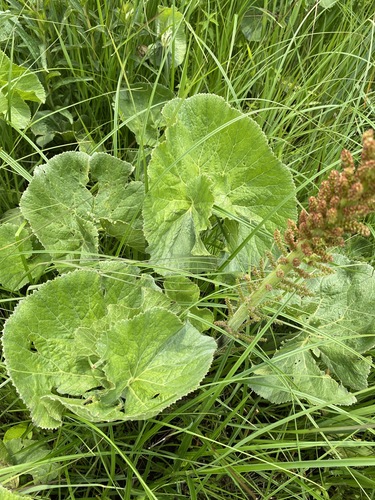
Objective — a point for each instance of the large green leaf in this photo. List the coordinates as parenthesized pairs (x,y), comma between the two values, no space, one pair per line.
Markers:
(215,161)
(294,374)
(118,203)
(16,79)
(341,331)
(66,215)
(97,345)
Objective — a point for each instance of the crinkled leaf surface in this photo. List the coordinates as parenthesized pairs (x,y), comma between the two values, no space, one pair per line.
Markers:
(152,360)
(215,160)
(346,319)
(59,207)
(118,203)
(140,107)
(67,347)
(66,215)
(342,330)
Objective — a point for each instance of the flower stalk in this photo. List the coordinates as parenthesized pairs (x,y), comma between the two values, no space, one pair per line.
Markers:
(345,198)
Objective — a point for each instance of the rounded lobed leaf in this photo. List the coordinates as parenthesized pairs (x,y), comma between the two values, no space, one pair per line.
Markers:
(215,161)
(102,345)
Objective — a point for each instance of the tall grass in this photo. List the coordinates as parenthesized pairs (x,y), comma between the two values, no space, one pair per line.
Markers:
(307,78)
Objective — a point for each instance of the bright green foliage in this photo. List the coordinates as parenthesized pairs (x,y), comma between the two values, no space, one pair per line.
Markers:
(341,330)
(118,202)
(59,207)
(99,344)
(140,107)
(66,216)
(214,165)
(18,85)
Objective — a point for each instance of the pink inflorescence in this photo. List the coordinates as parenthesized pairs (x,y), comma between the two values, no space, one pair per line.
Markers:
(343,199)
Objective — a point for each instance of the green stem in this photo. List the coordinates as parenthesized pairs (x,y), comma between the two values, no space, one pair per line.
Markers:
(269,282)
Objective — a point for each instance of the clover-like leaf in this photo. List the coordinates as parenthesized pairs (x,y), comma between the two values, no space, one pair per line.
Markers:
(140,106)
(66,215)
(341,330)
(214,165)
(89,342)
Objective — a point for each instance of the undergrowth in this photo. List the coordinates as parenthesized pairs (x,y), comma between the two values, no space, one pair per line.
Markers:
(305,74)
